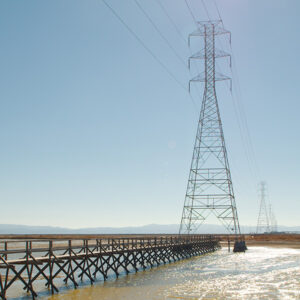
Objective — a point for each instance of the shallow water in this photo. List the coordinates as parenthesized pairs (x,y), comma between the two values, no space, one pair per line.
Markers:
(260,273)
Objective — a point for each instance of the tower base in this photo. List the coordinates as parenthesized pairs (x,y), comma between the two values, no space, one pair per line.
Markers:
(240,246)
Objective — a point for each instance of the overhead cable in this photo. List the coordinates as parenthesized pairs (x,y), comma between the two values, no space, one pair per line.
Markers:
(113,11)
(191,12)
(171,21)
(159,32)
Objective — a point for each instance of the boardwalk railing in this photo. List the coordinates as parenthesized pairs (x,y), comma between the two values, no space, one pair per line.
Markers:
(60,261)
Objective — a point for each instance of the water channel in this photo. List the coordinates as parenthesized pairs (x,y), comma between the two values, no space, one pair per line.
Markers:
(260,273)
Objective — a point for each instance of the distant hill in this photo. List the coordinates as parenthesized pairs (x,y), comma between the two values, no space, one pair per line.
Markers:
(151,228)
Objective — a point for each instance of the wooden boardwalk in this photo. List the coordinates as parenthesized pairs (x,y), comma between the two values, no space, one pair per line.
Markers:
(29,261)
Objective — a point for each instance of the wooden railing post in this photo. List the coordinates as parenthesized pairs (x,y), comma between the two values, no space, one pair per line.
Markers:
(5,249)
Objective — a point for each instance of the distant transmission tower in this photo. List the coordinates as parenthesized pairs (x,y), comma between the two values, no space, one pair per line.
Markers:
(209,189)
(272,219)
(263,222)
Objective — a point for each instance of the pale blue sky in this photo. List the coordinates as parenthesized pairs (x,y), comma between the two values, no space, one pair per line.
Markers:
(94,132)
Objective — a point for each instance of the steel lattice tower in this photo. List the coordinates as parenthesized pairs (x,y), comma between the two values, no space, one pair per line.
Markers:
(209,189)
(263,222)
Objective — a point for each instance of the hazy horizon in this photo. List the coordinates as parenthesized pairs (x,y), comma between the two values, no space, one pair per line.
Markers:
(203,228)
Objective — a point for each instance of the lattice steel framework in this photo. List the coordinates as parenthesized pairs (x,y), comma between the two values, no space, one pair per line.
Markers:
(263,221)
(209,189)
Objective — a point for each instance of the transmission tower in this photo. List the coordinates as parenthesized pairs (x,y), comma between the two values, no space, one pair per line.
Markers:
(272,219)
(209,189)
(263,222)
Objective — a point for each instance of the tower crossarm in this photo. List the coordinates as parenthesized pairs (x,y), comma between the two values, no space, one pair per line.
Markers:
(201,55)
(202,78)
(202,26)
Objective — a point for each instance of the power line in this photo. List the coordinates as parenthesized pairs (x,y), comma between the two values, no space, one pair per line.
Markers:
(143,44)
(244,119)
(164,38)
(189,8)
(183,39)
(159,32)
(179,33)
(205,8)
(240,112)
(218,13)
(235,106)
(171,21)
(174,25)
(148,50)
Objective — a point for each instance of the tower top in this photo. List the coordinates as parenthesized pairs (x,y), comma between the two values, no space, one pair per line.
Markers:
(208,30)
(202,27)
(213,22)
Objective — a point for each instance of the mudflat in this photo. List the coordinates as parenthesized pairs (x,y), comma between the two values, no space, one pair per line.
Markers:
(274,240)
(268,240)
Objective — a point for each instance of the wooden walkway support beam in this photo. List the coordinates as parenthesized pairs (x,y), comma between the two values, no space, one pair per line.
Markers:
(27,261)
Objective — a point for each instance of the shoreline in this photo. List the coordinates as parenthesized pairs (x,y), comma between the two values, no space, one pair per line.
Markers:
(277,240)
(272,244)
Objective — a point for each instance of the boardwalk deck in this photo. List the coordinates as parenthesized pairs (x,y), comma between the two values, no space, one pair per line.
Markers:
(28,261)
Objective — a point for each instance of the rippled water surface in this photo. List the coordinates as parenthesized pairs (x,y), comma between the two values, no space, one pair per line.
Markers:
(260,273)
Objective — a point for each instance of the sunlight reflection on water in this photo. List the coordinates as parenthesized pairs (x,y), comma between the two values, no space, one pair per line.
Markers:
(260,273)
